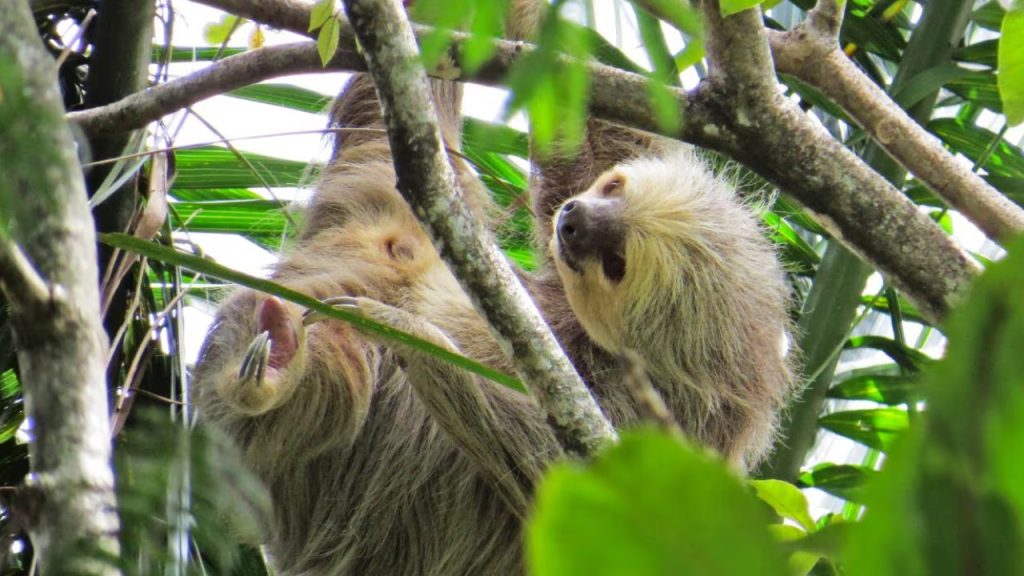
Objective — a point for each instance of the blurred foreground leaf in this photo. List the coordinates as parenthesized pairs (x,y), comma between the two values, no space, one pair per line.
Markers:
(649,506)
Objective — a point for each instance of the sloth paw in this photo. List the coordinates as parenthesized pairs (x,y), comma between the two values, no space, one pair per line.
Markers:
(347,303)
(261,382)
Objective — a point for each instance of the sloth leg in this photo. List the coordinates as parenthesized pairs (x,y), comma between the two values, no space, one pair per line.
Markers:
(271,364)
(458,401)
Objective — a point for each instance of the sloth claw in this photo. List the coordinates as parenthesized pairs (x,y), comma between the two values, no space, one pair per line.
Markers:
(256,359)
(347,303)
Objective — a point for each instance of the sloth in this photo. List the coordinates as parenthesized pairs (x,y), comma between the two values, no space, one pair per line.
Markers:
(383,460)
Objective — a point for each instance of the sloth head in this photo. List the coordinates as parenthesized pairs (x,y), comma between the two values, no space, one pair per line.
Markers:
(659,256)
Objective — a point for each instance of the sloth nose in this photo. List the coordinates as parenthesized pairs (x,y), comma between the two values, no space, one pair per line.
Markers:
(572,229)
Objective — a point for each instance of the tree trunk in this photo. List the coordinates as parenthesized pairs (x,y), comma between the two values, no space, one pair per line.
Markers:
(48,273)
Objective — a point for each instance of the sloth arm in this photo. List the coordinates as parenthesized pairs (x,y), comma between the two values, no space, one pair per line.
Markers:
(500,430)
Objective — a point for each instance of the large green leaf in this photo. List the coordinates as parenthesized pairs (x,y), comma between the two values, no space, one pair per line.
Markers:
(983,53)
(973,142)
(876,428)
(649,506)
(284,95)
(908,358)
(214,167)
(951,497)
(232,217)
(881,388)
(1011,64)
(845,481)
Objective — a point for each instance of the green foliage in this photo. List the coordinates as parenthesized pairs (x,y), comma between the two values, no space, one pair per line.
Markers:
(1011,64)
(552,84)
(651,505)
(729,7)
(951,500)
(323,18)
(184,484)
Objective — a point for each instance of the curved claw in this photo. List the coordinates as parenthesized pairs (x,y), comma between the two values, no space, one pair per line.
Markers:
(348,303)
(254,363)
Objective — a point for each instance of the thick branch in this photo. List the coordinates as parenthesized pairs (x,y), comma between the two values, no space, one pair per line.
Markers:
(427,182)
(853,202)
(811,53)
(68,501)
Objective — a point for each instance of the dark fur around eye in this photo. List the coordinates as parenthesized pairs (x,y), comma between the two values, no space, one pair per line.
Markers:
(614,267)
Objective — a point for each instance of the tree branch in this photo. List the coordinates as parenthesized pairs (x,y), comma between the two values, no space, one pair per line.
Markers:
(222,76)
(770,134)
(426,180)
(69,504)
(811,53)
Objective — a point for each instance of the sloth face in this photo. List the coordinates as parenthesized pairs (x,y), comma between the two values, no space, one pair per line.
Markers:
(653,241)
(589,229)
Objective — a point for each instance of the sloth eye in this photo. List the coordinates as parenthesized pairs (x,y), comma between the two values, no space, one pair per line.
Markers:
(612,186)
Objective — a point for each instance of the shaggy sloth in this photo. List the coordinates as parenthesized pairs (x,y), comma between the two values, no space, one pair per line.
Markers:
(383,461)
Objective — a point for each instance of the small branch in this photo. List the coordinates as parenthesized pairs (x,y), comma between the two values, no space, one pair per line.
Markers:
(426,180)
(811,53)
(19,280)
(650,404)
(144,107)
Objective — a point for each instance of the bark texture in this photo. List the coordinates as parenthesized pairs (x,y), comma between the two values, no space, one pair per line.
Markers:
(49,276)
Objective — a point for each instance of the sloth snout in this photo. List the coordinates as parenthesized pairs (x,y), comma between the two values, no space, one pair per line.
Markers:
(572,229)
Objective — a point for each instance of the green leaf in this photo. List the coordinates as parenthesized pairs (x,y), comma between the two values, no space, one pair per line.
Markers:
(973,141)
(216,167)
(284,95)
(321,12)
(327,40)
(928,82)
(552,88)
(1011,65)
(730,7)
(194,53)
(787,501)
(907,357)
(983,53)
(246,217)
(797,253)
(680,15)
(876,428)
(882,388)
(211,268)
(488,23)
(989,16)
(497,138)
(950,499)
(980,88)
(845,481)
(214,194)
(9,385)
(650,505)
(216,33)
